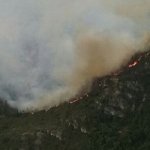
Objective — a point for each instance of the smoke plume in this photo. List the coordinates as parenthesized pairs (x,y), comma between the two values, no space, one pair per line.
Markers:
(50,51)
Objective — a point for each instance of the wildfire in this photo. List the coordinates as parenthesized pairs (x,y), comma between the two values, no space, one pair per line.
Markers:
(134,64)
(74,101)
(79,98)
(117,73)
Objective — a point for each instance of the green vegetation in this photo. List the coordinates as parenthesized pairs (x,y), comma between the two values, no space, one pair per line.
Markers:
(115,116)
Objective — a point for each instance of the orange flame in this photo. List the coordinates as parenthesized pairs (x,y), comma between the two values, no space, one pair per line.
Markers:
(117,73)
(132,65)
(74,101)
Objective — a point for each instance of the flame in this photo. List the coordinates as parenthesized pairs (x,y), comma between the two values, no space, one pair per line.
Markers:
(79,98)
(117,73)
(74,101)
(134,64)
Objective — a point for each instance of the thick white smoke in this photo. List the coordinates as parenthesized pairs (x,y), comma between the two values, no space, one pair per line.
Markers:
(50,50)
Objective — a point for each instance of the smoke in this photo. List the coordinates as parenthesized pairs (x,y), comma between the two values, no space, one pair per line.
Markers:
(52,50)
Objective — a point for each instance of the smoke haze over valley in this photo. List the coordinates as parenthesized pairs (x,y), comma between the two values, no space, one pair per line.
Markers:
(51,50)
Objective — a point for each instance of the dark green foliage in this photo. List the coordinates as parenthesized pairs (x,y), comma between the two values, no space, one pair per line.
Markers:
(115,116)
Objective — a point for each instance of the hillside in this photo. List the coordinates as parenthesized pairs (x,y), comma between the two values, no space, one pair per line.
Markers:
(115,115)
